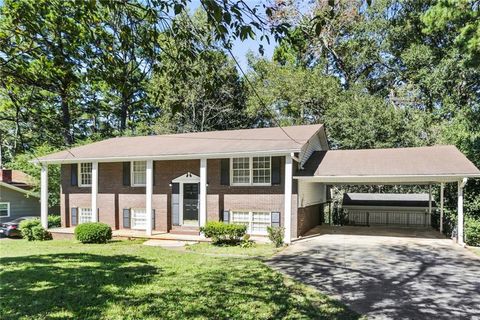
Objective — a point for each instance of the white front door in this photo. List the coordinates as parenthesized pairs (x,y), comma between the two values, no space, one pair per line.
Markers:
(139,219)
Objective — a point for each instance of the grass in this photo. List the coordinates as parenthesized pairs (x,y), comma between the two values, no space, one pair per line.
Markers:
(475,250)
(258,250)
(127,280)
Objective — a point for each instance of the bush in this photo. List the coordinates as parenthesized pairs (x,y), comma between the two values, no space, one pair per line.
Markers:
(275,234)
(221,232)
(32,230)
(26,227)
(93,232)
(246,242)
(39,233)
(472,232)
(54,221)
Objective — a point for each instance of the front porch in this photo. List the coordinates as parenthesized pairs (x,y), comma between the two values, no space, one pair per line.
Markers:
(68,233)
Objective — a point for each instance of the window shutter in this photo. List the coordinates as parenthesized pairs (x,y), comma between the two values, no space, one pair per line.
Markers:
(74,174)
(126,218)
(275,219)
(225,172)
(176,204)
(73,216)
(126,174)
(153,173)
(153,219)
(226,216)
(276,170)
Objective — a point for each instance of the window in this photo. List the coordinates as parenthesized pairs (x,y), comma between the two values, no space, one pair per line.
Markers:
(139,173)
(256,221)
(85,215)
(261,170)
(139,218)
(251,171)
(4,209)
(241,170)
(85,174)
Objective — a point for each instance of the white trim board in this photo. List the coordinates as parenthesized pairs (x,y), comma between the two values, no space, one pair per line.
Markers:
(27,192)
(198,156)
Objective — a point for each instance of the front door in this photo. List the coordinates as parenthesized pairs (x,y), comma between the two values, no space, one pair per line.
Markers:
(190,204)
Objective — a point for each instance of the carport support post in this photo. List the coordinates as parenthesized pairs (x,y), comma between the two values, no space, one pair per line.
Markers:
(44,196)
(148,197)
(442,187)
(461,185)
(288,199)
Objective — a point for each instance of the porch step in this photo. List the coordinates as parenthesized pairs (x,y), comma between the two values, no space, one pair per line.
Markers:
(187,230)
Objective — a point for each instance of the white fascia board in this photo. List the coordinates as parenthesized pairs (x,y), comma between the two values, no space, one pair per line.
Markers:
(387,179)
(27,192)
(197,156)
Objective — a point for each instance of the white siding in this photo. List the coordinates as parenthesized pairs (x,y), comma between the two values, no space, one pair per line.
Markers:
(310,193)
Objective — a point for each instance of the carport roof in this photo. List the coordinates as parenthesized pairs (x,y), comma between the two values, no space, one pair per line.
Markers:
(443,163)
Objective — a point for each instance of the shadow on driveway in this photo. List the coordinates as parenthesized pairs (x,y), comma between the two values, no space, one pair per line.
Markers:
(387,277)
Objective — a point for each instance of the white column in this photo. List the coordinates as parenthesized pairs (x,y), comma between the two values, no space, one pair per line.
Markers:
(430,199)
(288,200)
(203,192)
(44,196)
(148,197)
(442,187)
(94,191)
(461,184)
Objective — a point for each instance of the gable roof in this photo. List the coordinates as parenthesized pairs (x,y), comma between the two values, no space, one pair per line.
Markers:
(396,164)
(191,145)
(20,182)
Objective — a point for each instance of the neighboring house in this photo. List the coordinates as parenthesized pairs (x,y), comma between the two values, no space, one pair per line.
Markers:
(16,197)
(388,209)
(259,177)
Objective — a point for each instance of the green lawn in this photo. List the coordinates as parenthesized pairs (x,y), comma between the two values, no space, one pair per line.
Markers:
(63,279)
(258,250)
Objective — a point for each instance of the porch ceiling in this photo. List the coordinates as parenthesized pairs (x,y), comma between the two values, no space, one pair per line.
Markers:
(423,165)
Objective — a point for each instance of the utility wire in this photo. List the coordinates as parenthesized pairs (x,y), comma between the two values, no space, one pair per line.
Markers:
(262,103)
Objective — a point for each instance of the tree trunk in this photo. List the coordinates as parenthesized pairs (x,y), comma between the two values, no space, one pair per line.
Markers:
(66,119)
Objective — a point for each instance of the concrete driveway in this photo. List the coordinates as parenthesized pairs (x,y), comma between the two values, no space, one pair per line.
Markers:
(389,277)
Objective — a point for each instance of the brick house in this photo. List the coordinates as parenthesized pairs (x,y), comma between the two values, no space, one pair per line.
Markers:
(259,177)
(175,183)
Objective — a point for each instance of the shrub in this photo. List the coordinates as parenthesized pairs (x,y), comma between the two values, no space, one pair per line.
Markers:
(221,232)
(246,242)
(472,232)
(54,221)
(275,234)
(93,232)
(39,233)
(26,227)
(32,230)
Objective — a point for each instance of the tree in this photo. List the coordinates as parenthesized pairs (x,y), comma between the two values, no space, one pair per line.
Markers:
(199,94)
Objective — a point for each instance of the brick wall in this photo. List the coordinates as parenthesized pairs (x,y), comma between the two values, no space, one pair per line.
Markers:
(308,217)
(113,196)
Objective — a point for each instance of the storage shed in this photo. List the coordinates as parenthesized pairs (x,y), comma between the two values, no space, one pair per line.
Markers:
(387,209)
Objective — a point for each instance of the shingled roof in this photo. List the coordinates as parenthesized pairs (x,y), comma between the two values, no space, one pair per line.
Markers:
(191,145)
(342,165)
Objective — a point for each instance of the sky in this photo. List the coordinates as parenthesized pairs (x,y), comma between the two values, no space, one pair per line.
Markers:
(241,48)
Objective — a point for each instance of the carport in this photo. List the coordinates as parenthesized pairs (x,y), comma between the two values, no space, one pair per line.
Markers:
(397,166)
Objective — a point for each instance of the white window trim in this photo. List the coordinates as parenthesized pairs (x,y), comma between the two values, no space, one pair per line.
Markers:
(8,209)
(132,184)
(250,220)
(132,212)
(250,167)
(79,214)
(79,175)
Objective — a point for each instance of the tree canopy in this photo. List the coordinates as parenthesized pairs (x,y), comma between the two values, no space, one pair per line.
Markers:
(384,73)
